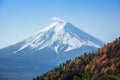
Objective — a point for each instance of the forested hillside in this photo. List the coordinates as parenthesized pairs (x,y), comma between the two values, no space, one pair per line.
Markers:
(102,65)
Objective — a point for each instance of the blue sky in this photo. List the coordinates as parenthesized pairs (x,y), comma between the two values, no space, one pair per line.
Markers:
(22,18)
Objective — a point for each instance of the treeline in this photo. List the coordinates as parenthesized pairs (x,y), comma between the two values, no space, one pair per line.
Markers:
(92,66)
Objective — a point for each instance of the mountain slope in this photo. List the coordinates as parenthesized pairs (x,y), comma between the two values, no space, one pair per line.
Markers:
(90,66)
(61,37)
(107,60)
(51,46)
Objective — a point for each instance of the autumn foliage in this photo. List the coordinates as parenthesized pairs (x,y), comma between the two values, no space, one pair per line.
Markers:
(91,66)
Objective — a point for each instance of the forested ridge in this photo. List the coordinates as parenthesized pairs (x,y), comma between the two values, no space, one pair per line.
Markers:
(102,65)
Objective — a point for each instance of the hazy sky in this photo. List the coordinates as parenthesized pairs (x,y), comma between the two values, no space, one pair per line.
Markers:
(21,18)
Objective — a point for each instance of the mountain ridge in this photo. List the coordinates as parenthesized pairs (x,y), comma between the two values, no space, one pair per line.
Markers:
(61,29)
(47,49)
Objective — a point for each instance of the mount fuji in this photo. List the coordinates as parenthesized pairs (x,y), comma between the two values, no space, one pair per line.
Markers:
(55,44)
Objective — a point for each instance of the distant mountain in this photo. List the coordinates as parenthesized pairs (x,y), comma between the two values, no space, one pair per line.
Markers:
(48,48)
(102,65)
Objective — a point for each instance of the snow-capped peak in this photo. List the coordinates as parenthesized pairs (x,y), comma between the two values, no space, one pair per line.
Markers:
(61,37)
(48,48)
(57,23)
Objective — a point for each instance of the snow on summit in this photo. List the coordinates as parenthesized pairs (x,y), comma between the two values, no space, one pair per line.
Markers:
(60,36)
(53,45)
